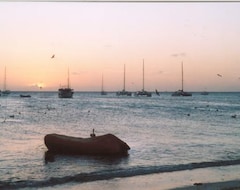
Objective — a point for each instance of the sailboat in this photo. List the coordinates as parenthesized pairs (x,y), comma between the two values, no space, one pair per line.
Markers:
(143,92)
(181,92)
(204,93)
(102,91)
(124,92)
(65,92)
(5,92)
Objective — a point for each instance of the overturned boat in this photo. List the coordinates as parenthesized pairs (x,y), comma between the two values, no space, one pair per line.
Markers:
(107,144)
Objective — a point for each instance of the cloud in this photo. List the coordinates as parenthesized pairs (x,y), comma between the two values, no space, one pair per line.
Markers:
(75,73)
(179,54)
(38,85)
(174,55)
(78,73)
(157,72)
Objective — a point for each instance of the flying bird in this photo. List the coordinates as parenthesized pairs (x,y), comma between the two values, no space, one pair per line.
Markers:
(52,56)
(219,75)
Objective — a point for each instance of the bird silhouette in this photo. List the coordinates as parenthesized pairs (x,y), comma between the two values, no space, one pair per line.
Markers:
(219,75)
(52,56)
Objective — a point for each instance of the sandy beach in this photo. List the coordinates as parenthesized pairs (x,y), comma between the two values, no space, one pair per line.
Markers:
(219,178)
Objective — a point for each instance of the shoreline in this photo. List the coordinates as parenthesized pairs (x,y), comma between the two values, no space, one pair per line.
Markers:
(226,185)
(214,178)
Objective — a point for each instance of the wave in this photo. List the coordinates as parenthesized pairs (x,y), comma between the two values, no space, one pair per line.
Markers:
(110,174)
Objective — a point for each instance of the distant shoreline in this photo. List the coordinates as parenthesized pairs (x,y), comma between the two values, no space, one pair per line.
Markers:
(48,91)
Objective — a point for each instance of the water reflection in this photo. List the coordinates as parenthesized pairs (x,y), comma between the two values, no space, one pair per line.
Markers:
(49,157)
(101,160)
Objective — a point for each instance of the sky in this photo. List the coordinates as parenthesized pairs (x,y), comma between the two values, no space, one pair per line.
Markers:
(97,39)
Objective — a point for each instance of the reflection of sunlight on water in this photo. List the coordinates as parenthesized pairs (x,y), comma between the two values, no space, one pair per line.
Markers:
(157,129)
(77,164)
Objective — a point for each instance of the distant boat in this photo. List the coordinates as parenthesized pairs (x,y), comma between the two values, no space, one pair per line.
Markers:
(25,96)
(143,92)
(124,92)
(204,93)
(65,92)
(102,90)
(181,92)
(5,92)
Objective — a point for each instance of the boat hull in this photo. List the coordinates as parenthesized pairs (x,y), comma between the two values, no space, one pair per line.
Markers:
(204,93)
(65,93)
(6,92)
(143,93)
(124,93)
(100,145)
(25,96)
(181,93)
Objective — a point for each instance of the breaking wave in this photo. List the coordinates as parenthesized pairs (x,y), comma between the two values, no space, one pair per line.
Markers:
(113,173)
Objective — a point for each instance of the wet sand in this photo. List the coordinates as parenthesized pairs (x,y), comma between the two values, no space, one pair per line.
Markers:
(219,178)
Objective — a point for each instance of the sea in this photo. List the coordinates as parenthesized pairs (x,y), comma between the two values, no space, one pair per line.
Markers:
(165,134)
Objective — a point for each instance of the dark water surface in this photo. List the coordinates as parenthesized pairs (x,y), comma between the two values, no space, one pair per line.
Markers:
(166,134)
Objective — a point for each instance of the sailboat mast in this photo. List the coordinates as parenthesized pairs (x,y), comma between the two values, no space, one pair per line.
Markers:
(182,76)
(5,80)
(102,82)
(124,79)
(68,79)
(143,75)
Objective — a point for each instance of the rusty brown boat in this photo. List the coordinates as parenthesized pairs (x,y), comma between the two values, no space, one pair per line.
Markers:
(107,144)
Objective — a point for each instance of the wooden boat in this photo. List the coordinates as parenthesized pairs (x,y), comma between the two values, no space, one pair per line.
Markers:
(98,145)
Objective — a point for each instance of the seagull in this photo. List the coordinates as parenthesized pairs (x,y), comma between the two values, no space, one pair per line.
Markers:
(219,75)
(52,56)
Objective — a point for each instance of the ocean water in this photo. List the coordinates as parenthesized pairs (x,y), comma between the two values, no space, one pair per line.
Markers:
(165,134)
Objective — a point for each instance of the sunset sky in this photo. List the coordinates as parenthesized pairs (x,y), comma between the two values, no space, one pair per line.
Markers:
(95,39)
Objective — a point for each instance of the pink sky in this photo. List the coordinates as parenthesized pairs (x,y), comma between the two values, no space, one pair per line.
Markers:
(92,39)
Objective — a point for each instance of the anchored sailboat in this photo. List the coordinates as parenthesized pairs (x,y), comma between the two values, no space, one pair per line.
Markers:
(5,91)
(143,92)
(124,92)
(181,92)
(102,90)
(204,93)
(66,92)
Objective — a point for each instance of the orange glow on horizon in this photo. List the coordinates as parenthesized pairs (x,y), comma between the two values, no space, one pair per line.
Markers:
(92,39)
